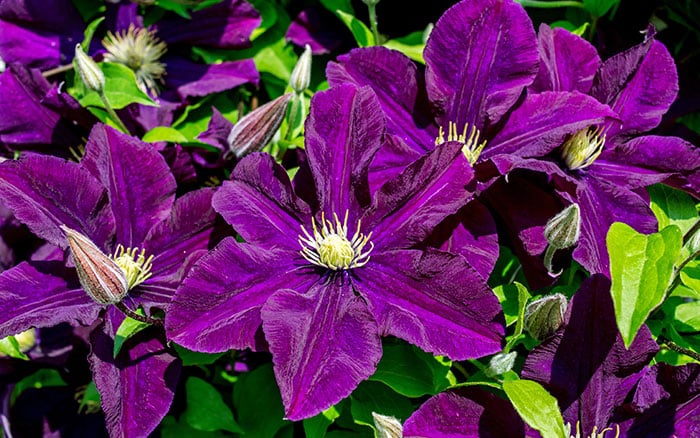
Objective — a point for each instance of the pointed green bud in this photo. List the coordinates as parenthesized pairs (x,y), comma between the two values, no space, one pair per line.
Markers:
(545,315)
(301,75)
(563,230)
(255,130)
(89,71)
(101,277)
(387,427)
(501,363)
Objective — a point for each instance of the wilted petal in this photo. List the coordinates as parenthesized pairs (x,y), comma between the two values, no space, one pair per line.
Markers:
(37,294)
(639,84)
(467,412)
(399,86)
(260,204)
(226,25)
(176,243)
(218,305)
(567,61)
(47,192)
(586,365)
(324,342)
(344,129)
(543,121)
(137,387)
(408,207)
(434,300)
(140,185)
(479,57)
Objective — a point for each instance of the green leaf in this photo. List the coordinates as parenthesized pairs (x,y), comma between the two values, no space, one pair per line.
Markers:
(411,45)
(362,34)
(164,133)
(10,347)
(690,275)
(43,378)
(258,403)
(277,59)
(90,32)
(90,400)
(410,371)
(316,427)
(511,297)
(598,8)
(190,357)
(672,207)
(536,407)
(335,5)
(128,328)
(206,409)
(687,316)
(376,397)
(171,428)
(88,9)
(641,267)
(120,88)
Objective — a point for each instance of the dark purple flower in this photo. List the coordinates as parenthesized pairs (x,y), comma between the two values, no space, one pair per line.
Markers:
(479,59)
(327,275)
(605,167)
(122,197)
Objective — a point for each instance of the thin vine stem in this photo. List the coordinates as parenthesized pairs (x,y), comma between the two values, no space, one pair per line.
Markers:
(550,4)
(133,315)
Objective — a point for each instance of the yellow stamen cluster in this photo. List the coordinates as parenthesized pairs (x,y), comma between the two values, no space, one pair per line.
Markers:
(582,148)
(594,433)
(472,148)
(329,247)
(140,50)
(136,267)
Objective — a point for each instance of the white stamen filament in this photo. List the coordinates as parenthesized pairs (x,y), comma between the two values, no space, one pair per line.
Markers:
(329,246)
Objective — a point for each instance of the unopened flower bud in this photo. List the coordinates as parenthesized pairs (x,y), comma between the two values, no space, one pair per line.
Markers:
(563,230)
(89,71)
(387,427)
(301,75)
(254,130)
(101,277)
(501,363)
(545,315)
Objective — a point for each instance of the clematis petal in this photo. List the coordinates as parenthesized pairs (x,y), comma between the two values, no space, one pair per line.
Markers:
(191,79)
(260,204)
(567,61)
(226,25)
(463,413)
(534,129)
(399,86)
(36,294)
(139,198)
(639,84)
(433,300)
(177,243)
(324,342)
(45,192)
(603,203)
(585,365)
(217,307)
(344,129)
(479,58)
(137,387)
(407,208)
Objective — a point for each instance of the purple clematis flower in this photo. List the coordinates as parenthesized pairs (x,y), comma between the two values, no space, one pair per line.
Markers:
(479,59)
(121,196)
(605,167)
(587,368)
(328,274)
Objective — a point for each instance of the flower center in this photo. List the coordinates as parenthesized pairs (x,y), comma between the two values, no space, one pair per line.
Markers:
(329,246)
(136,267)
(140,50)
(594,433)
(582,149)
(472,148)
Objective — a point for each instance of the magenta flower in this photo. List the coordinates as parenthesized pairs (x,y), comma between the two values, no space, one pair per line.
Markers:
(327,267)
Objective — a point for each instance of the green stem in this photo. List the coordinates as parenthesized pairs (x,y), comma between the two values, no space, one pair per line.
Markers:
(677,274)
(113,115)
(57,70)
(550,4)
(678,349)
(372,8)
(133,315)
(548,256)
(463,371)
(691,232)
